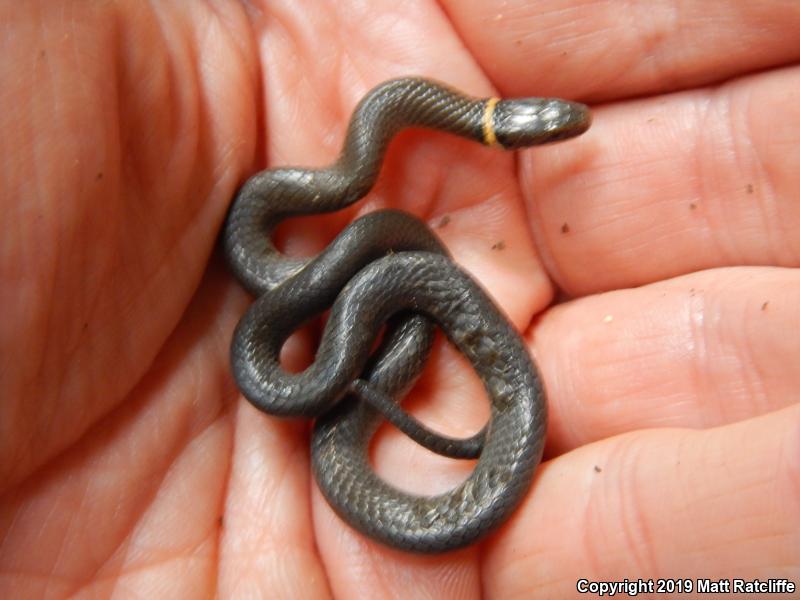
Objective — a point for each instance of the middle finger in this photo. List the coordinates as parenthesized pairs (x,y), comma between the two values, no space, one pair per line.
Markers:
(665,186)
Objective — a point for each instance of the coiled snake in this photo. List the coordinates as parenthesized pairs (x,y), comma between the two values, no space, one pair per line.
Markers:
(388,267)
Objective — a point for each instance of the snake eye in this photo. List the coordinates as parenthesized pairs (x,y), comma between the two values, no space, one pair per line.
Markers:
(532,121)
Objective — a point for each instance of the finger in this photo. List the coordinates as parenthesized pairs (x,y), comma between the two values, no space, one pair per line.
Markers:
(267,546)
(720,503)
(267,542)
(662,187)
(544,47)
(696,351)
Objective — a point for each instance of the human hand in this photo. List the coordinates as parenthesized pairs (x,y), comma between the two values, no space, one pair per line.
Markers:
(130,464)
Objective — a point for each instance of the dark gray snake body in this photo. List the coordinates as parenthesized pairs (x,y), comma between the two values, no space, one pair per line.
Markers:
(388,268)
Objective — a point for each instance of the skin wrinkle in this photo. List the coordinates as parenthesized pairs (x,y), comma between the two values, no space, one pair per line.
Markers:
(787,469)
(245,55)
(115,576)
(134,78)
(706,324)
(78,584)
(789,456)
(742,129)
(299,450)
(274,435)
(592,506)
(725,245)
(695,320)
(522,557)
(347,58)
(702,168)
(756,392)
(766,192)
(131,301)
(38,364)
(633,516)
(693,537)
(296,89)
(61,562)
(651,43)
(570,425)
(532,209)
(125,540)
(181,447)
(146,505)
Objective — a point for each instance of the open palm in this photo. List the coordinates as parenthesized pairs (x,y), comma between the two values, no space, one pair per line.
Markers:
(131,465)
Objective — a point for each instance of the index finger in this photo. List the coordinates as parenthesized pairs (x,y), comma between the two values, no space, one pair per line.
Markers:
(601,50)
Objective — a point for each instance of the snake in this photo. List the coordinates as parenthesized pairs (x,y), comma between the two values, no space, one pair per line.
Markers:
(388,283)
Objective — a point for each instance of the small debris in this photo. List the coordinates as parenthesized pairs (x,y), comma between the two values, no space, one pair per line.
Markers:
(749,188)
(443,222)
(565,228)
(501,245)
(692,206)
(764,306)
(597,469)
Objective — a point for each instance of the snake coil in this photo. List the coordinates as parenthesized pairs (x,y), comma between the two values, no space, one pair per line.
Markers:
(388,267)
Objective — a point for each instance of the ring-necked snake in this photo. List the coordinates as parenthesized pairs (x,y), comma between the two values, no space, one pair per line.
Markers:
(388,268)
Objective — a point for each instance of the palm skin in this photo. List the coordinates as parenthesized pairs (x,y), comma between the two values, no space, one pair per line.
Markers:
(130,464)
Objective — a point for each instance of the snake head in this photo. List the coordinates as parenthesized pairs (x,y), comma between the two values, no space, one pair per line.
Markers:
(533,121)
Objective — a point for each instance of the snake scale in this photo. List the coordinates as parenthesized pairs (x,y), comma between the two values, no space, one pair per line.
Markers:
(388,270)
